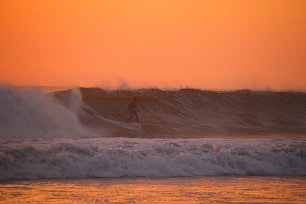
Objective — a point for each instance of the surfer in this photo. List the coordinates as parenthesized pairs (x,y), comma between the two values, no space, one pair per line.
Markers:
(133,110)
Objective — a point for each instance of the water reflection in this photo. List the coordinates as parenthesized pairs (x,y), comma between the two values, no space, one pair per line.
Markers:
(139,190)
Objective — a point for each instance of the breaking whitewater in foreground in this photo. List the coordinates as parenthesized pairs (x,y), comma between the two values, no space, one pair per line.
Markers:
(151,158)
(82,133)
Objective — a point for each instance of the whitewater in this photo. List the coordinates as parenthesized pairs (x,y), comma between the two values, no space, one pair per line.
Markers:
(79,133)
(151,158)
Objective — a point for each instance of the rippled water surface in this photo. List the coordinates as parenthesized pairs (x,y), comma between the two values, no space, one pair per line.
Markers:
(171,190)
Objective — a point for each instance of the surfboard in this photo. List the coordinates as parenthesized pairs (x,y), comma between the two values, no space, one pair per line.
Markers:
(131,125)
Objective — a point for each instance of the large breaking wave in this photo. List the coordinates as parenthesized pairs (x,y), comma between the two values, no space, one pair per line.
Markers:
(122,157)
(82,133)
(190,112)
(172,114)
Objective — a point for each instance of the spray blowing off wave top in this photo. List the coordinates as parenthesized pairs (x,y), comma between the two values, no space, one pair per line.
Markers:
(194,112)
(32,113)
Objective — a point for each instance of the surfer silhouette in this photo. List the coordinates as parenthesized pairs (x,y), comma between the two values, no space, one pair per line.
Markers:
(133,110)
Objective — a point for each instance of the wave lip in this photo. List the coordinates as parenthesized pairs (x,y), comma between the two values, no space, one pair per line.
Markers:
(112,158)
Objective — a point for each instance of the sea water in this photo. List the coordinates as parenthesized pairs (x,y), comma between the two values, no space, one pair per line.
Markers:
(213,189)
(126,170)
(51,151)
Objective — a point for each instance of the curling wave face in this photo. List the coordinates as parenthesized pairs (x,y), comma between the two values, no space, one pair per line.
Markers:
(191,112)
(122,157)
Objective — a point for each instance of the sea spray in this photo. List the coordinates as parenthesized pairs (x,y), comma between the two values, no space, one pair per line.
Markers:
(76,101)
(31,113)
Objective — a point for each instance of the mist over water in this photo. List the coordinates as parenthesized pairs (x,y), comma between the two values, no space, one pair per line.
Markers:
(31,113)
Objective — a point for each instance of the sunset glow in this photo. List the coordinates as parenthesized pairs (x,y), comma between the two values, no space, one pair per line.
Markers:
(215,44)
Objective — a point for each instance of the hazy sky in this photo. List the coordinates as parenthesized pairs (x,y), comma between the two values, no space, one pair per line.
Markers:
(214,44)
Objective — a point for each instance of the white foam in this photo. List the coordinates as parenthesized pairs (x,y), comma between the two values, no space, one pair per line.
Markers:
(151,158)
(31,113)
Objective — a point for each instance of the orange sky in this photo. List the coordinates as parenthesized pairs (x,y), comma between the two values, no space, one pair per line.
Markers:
(214,44)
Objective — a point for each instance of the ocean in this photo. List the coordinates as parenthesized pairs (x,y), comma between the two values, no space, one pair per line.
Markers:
(191,146)
(212,189)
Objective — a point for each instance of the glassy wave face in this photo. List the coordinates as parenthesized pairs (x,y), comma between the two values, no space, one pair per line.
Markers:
(134,157)
(191,112)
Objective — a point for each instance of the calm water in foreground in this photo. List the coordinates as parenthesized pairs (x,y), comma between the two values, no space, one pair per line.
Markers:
(172,190)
